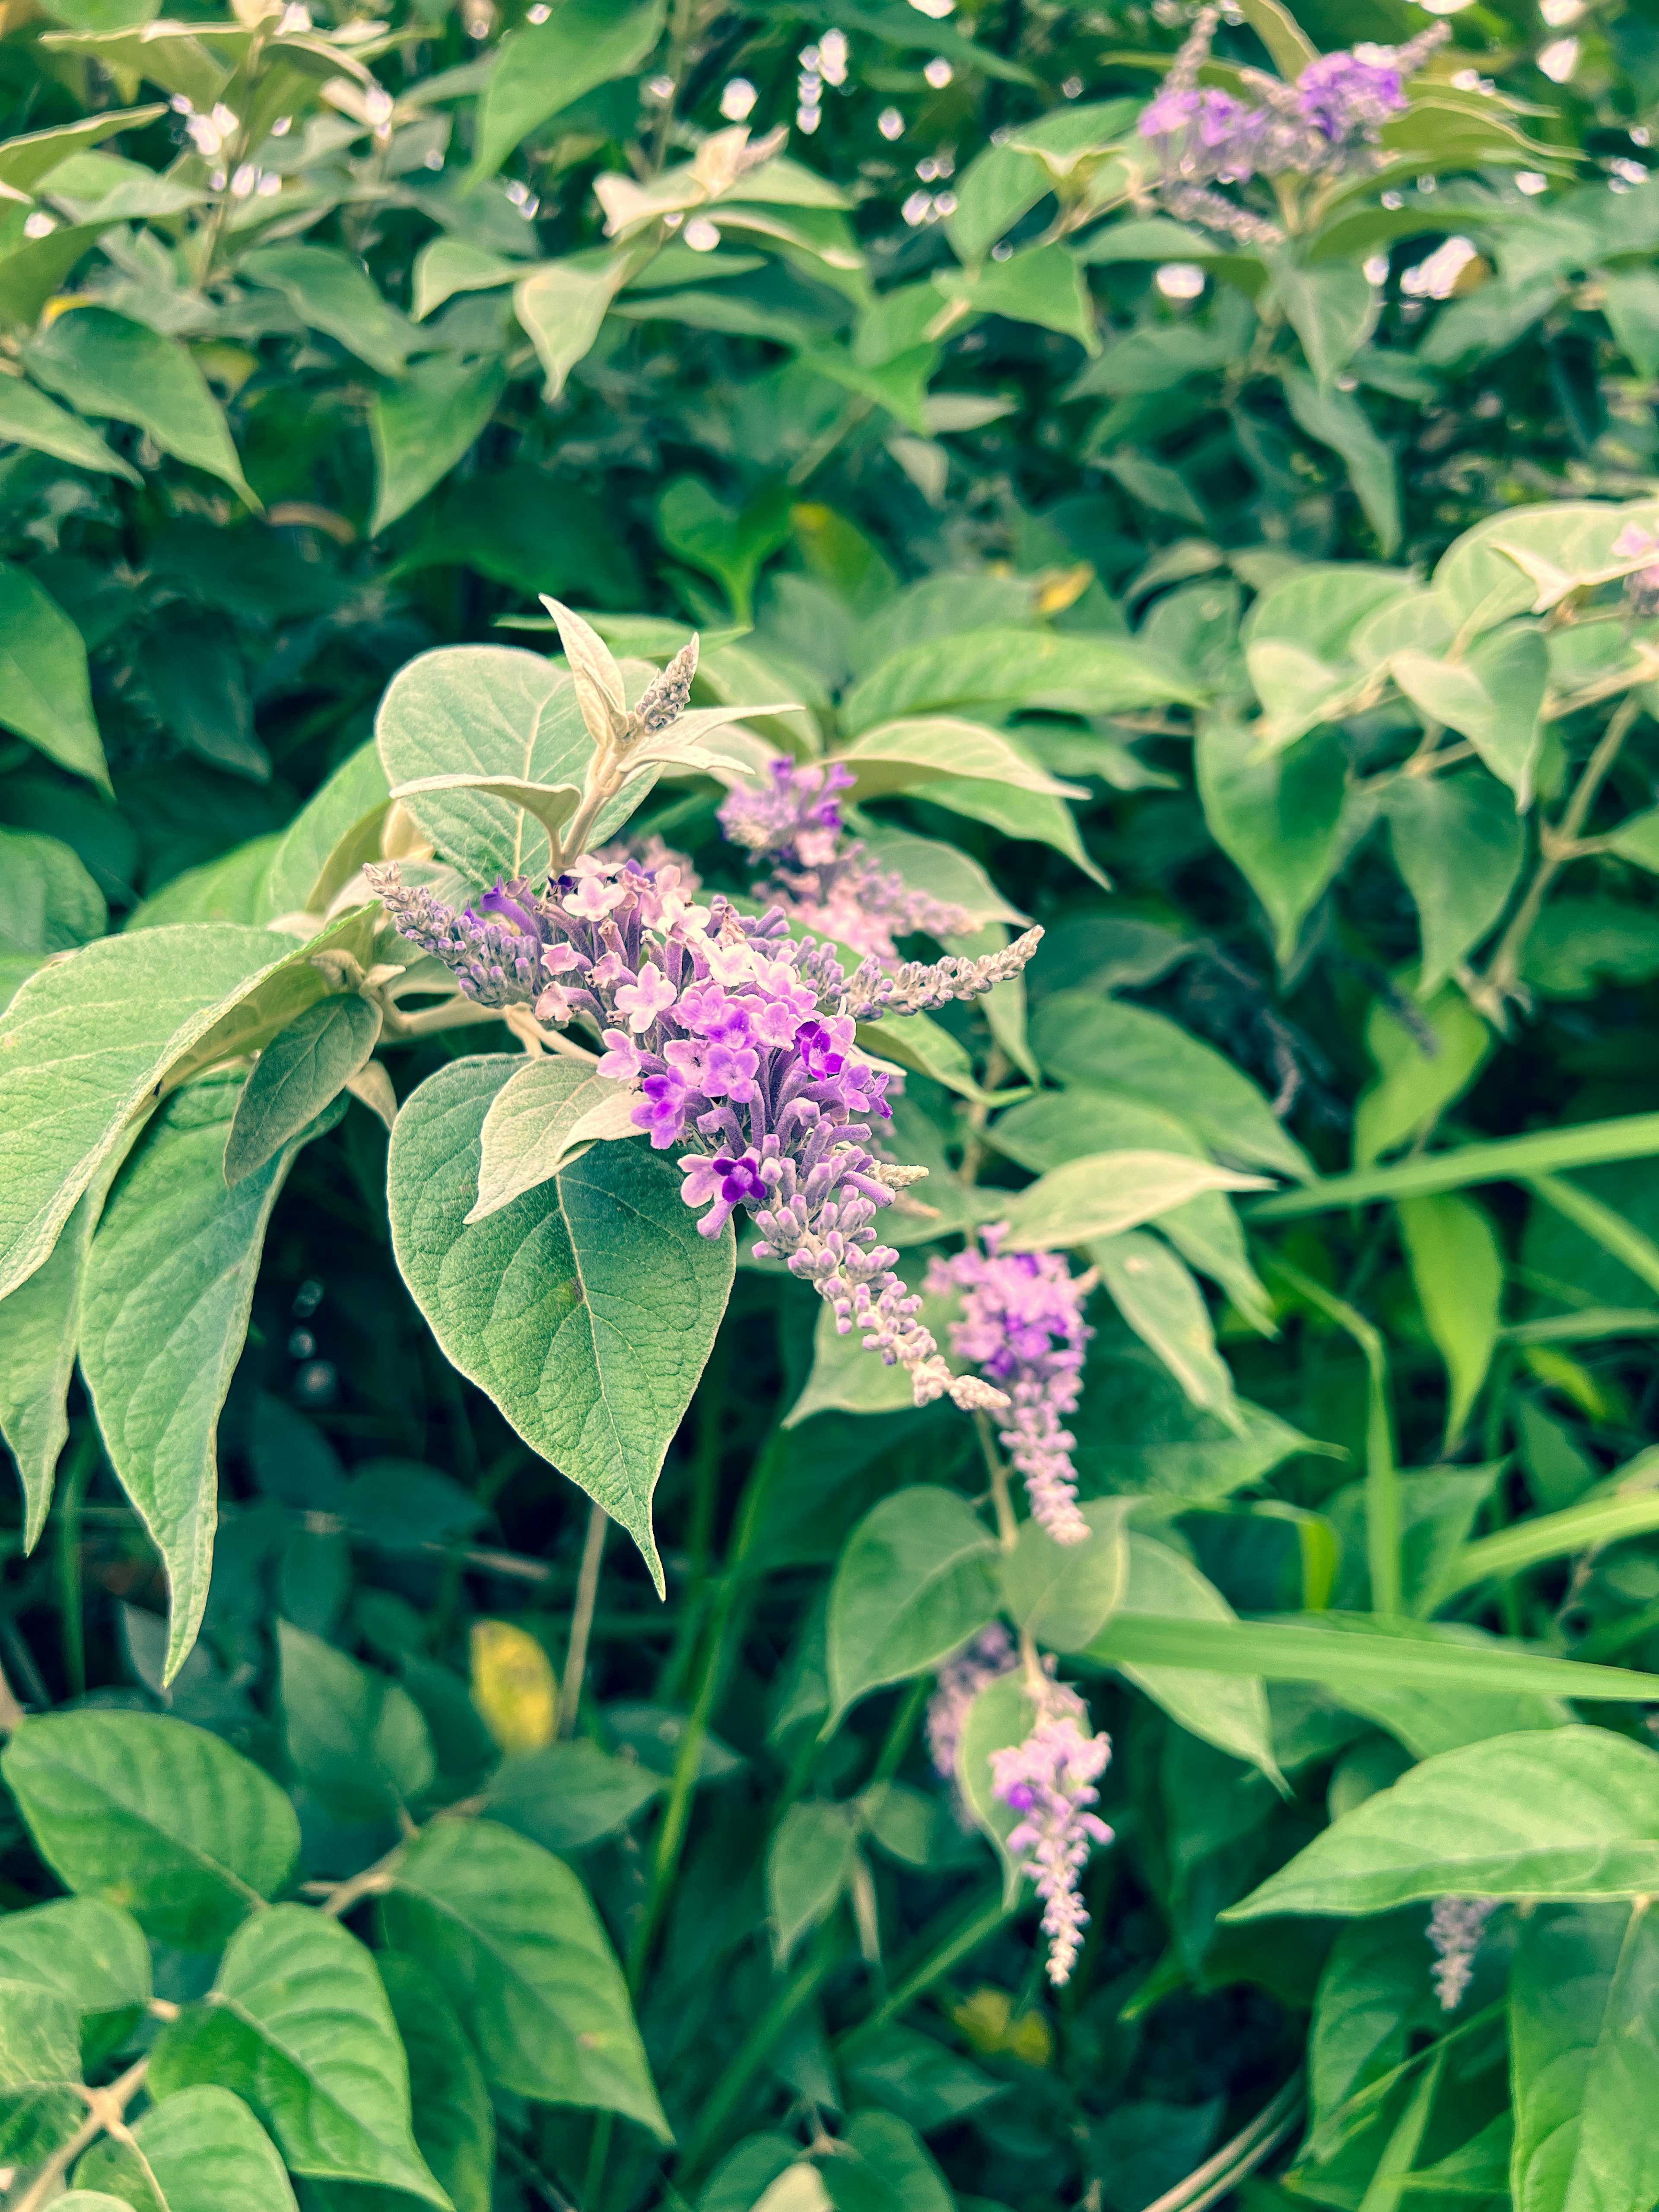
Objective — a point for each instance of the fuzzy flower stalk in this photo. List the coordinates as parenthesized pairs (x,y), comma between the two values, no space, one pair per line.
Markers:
(1021,1326)
(1456,1928)
(1327,124)
(824,882)
(1048,1779)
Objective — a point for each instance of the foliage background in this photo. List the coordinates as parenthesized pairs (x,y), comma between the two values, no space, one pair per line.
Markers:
(271,445)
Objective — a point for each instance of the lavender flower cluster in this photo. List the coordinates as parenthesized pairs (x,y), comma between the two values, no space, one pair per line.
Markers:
(1641,588)
(984,1659)
(1325,124)
(740,1041)
(1023,1327)
(827,883)
(1050,1780)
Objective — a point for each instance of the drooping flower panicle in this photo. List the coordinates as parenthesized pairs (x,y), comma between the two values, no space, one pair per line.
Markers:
(1326,124)
(740,1041)
(1023,1327)
(1048,1779)
(827,882)
(984,1659)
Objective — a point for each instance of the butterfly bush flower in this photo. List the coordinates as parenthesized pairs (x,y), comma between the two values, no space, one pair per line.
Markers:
(1023,1327)
(824,882)
(1455,1927)
(1325,124)
(984,1659)
(739,1041)
(1049,1781)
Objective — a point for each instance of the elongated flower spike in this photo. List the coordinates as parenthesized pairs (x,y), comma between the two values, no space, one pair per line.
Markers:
(1048,1779)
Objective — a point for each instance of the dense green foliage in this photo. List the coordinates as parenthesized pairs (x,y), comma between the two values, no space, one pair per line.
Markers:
(1274,621)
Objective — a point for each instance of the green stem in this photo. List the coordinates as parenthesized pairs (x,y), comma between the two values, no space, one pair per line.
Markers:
(965,1936)
(581,1619)
(761,2040)
(70,1580)
(901,1728)
(598,2155)
(1382,1517)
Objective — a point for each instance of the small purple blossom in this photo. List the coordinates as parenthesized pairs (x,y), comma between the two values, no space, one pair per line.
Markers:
(1455,1927)
(1049,1779)
(1348,95)
(824,882)
(1641,588)
(1021,1326)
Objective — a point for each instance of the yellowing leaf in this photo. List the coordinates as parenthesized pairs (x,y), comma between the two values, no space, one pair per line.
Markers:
(513,1687)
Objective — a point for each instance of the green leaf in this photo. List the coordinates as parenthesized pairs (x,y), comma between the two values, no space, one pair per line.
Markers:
(1457,1269)
(166,1293)
(730,544)
(1158,1299)
(105,364)
(331,293)
(1130,1051)
(561,307)
(445,266)
(203,2149)
(1076,673)
(566,1796)
(1332,307)
(914,1582)
(1494,698)
(541,1120)
(357,1740)
(334,833)
(509,1931)
(1561,1813)
(45,693)
(1002,1713)
(485,712)
(153,1815)
(91,1954)
(550,65)
(1337,420)
(1575,1528)
(454,2123)
(1526,559)
(1420,1070)
(38,1338)
(48,902)
(1459,845)
(423,427)
(885,2168)
(586,1309)
(1227,1708)
(1108,1193)
(299,1073)
(1583,1998)
(809,1862)
(997,186)
(142,1001)
(1506,1159)
(28,419)
(1276,816)
(1037,816)
(24,162)
(1063,1594)
(297,2022)
(1044,285)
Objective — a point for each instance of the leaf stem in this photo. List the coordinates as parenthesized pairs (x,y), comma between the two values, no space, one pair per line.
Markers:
(71,1582)
(581,1619)
(106,2115)
(373,1881)
(1008,1526)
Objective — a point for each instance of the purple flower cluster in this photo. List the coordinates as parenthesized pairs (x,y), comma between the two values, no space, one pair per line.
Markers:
(1455,1927)
(984,1659)
(1023,1327)
(1642,587)
(1327,123)
(1050,1780)
(740,1042)
(827,883)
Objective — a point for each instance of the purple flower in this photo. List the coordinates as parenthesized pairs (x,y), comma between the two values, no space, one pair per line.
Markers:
(1021,1326)
(643,1002)
(1049,1779)
(728,1182)
(984,1660)
(502,903)
(1348,95)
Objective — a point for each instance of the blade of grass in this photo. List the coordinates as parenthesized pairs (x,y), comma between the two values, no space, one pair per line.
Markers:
(1504,1159)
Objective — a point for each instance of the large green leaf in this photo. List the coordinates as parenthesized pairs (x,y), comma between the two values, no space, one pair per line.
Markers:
(1033,668)
(914,1582)
(1085,1039)
(1277,816)
(28,419)
(329,839)
(166,1293)
(204,2151)
(45,693)
(1559,1813)
(155,1815)
(48,901)
(1459,844)
(85,1042)
(333,292)
(299,1073)
(586,1308)
(297,2022)
(1102,1196)
(1583,2016)
(550,64)
(1226,1709)
(105,364)
(507,1930)
(357,1740)
(422,427)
